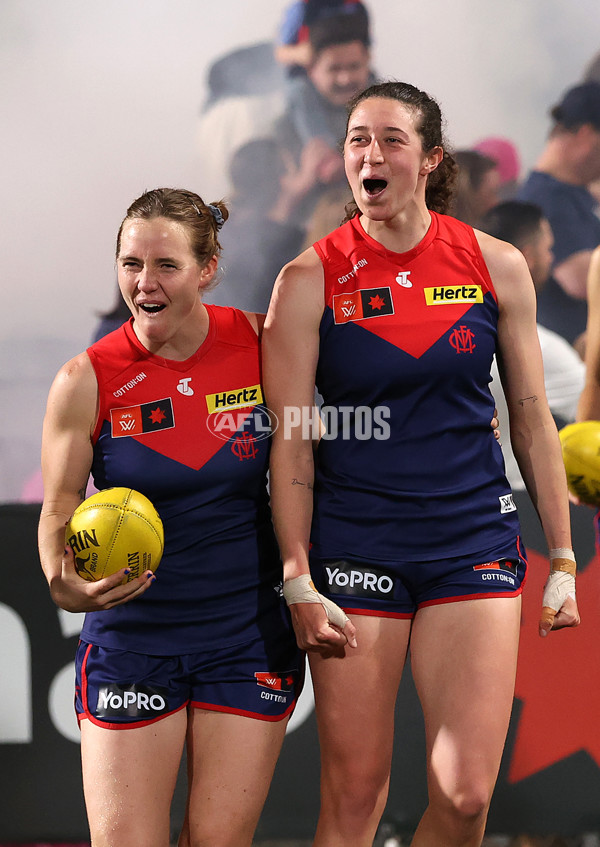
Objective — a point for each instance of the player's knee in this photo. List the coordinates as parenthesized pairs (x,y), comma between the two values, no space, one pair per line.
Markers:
(358,796)
(465,807)
(470,806)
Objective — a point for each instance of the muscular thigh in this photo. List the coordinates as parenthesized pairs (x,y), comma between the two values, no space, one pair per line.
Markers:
(231,759)
(463,660)
(355,695)
(129,777)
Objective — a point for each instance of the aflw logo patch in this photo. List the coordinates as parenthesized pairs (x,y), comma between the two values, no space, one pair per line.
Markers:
(358,305)
(502,564)
(274,681)
(139,420)
(236,398)
(441,295)
(507,504)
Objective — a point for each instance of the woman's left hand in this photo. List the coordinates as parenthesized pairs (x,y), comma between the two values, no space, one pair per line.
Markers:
(495,425)
(559,603)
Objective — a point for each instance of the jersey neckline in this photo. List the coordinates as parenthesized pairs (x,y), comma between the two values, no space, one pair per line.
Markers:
(392,255)
(177,364)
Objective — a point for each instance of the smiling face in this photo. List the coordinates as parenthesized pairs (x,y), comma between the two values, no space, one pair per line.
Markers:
(386,165)
(161,280)
(340,71)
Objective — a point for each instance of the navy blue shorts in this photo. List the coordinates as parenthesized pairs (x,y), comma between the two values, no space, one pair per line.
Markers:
(120,690)
(398,589)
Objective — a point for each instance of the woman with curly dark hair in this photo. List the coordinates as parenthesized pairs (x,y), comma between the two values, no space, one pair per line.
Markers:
(403,528)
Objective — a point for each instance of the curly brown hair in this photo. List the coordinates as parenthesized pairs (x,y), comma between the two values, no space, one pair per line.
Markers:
(442,181)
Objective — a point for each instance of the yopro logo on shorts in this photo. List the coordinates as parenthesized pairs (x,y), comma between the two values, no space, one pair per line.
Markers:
(356,581)
(132,701)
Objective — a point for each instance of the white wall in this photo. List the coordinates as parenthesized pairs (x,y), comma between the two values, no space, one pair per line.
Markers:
(99,101)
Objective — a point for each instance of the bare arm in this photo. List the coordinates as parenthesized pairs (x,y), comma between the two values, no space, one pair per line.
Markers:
(571,274)
(533,432)
(66,461)
(290,345)
(294,54)
(588,408)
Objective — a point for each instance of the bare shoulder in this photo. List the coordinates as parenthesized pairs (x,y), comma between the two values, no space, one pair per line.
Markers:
(507,267)
(305,269)
(298,288)
(75,389)
(76,373)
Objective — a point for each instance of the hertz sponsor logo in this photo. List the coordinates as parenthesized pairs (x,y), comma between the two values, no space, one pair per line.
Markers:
(441,295)
(237,398)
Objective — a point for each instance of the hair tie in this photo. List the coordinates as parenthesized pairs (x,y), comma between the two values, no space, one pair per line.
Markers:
(217,215)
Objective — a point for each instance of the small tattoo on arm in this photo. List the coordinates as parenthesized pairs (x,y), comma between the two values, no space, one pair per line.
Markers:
(297,482)
(527,399)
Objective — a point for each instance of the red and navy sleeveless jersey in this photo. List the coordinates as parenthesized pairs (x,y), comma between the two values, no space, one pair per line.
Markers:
(193,437)
(406,346)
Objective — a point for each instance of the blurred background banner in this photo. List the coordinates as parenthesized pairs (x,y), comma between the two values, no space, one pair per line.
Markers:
(550,775)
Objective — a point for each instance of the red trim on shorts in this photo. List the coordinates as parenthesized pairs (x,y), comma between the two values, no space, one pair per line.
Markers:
(87,715)
(210,707)
(84,683)
(523,555)
(460,597)
(377,613)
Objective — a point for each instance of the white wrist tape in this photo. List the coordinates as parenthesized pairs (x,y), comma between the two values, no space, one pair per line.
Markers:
(301,589)
(562,553)
(559,586)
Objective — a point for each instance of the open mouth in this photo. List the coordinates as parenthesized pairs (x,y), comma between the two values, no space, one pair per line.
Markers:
(151,308)
(373,187)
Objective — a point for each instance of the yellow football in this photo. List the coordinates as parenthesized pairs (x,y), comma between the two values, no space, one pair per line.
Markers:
(114,529)
(581,456)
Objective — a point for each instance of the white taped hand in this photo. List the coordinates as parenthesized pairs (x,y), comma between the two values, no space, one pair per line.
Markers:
(301,589)
(559,586)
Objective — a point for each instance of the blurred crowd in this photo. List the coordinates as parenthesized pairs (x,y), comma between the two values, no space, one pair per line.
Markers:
(270,131)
